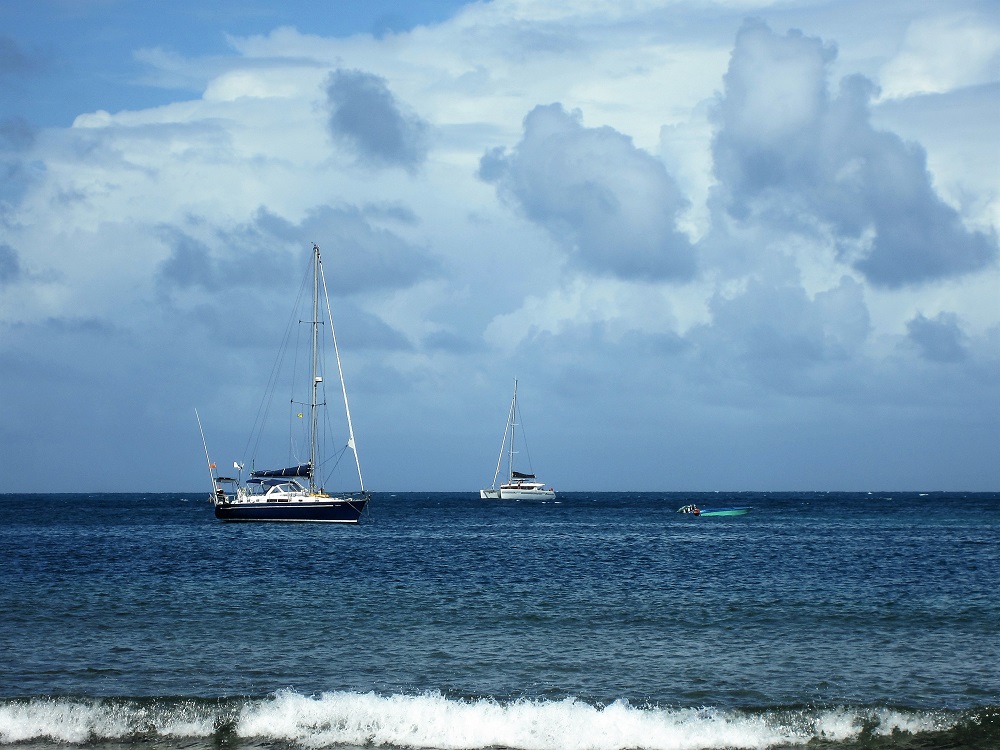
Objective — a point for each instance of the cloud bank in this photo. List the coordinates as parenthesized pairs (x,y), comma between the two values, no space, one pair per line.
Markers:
(736,260)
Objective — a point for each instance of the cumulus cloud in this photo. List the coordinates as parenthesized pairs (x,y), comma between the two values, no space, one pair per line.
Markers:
(612,206)
(776,334)
(790,153)
(365,114)
(938,339)
(358,254)
(189,264)
(944,53)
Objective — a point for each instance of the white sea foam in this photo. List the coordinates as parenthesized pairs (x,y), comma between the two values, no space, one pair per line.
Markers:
(78,721)
(66,721)
(889,721)
(434,721)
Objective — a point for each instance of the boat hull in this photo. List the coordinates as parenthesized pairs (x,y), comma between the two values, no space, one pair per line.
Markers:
(527,494)
(724,512)
(517,494)
(334,510)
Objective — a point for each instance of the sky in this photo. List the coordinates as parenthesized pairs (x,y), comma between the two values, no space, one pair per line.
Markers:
(732,245)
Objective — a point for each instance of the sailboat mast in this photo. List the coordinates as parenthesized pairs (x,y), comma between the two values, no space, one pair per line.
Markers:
(340,370)
(316,380)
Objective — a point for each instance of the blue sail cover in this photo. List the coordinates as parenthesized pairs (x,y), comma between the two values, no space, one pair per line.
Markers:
(302,470)
(519,475)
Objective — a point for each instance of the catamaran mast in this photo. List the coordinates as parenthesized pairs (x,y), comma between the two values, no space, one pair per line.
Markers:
(513,424)
(503,445)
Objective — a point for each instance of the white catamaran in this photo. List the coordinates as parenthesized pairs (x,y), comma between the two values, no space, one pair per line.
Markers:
(518,486)
(296,493)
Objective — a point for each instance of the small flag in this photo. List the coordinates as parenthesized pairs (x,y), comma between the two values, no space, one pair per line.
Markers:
(211,466)
(300,415)
(237,466)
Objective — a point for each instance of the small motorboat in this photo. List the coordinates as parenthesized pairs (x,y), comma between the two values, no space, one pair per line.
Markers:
(694,510)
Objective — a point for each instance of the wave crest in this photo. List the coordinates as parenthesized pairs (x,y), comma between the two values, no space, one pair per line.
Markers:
(432,720)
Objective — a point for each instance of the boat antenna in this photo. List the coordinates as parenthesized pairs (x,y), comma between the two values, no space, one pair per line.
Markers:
(340,370)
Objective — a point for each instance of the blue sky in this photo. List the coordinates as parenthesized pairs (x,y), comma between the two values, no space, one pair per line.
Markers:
(65,57)
(722,245)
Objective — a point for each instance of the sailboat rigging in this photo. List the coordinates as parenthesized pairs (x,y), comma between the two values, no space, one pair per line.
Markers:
(518,485)
(296,493)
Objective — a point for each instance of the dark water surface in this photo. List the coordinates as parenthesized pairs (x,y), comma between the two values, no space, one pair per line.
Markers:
(601,621)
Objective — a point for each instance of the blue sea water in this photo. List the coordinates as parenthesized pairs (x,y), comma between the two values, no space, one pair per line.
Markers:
(600,621)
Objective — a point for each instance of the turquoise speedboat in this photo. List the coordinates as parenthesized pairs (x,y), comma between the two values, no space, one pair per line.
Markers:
(696,511)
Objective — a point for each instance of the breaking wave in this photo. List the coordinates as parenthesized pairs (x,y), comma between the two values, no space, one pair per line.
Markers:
(436,722)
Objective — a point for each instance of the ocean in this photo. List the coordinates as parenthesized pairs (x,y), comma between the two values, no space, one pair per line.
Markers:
(600,621)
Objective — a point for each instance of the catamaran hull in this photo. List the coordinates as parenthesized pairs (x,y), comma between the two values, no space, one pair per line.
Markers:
(503,494)
(527,494)
(336,511)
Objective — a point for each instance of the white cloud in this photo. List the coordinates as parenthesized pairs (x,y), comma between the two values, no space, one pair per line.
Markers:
(617,307)
(612,206)
(795,155)
(944,53)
